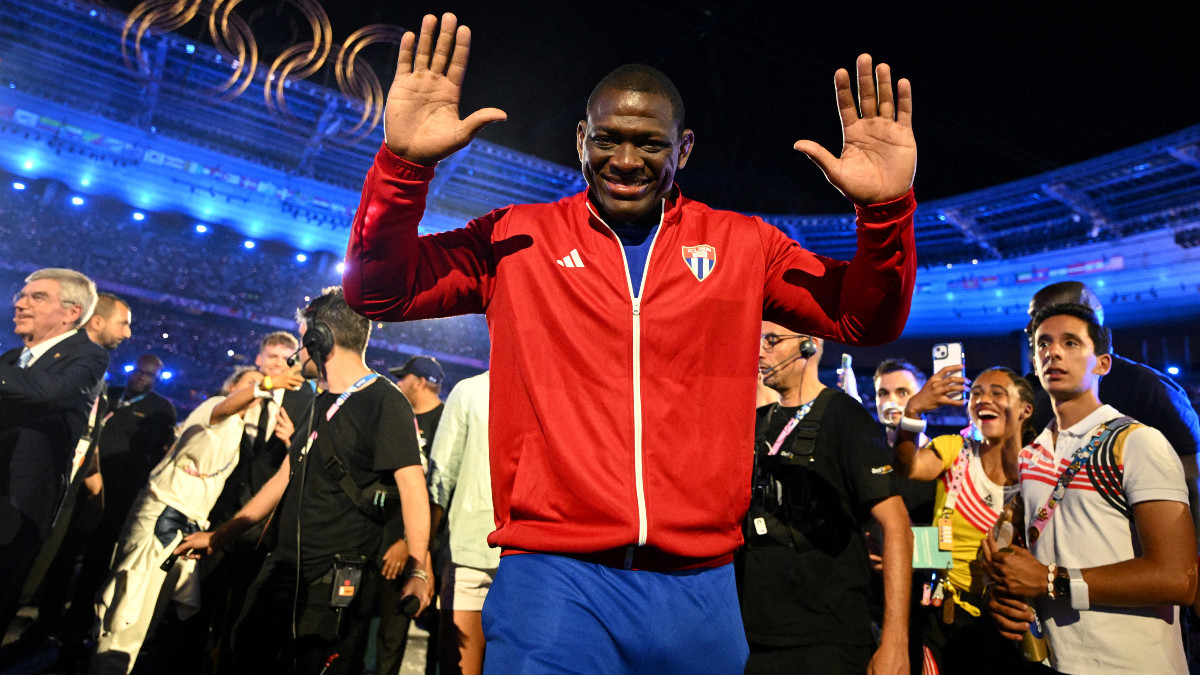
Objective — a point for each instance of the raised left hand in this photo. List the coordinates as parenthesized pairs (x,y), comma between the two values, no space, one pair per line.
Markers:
(879,152)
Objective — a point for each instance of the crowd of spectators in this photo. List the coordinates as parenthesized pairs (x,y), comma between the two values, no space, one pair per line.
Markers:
(201,301)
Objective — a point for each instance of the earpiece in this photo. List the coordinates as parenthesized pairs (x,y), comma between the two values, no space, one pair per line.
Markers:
(808,348)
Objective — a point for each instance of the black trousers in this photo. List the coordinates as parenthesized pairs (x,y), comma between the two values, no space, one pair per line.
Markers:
(323,636)
(825,659)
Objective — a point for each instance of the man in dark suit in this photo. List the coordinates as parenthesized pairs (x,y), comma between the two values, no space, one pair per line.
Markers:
(138,428)
(47,389)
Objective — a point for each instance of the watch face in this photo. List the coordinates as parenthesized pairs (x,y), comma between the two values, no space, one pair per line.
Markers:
(1062,586)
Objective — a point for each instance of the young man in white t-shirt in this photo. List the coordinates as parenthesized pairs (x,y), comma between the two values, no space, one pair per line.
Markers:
(1113,559)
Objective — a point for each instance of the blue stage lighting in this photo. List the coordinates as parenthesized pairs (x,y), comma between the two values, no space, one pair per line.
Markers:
(341,267)
(191,49)
(1172,370)
(166,375)
(300,257)
(248,244)
(28,164)
(77,201)
(85,181)
(18,186)
(201,228)
(138,215)
(129,368)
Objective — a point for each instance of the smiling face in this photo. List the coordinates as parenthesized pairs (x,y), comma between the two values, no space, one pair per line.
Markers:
(272,359)
(630,147)
(996,406)
(1067,363)
(40,314)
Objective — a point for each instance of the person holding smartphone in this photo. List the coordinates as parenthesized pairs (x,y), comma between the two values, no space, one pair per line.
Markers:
(974,480)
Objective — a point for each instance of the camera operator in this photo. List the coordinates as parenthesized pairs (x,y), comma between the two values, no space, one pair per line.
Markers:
(331,499)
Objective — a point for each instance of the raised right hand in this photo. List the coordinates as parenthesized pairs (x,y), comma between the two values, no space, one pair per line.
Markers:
(288,380)
(936,392)
(421,122)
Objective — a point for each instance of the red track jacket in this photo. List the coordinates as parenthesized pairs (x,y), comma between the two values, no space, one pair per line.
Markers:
(622,417)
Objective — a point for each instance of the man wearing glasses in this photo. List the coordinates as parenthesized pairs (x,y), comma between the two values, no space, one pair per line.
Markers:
(47,387)
(822,469)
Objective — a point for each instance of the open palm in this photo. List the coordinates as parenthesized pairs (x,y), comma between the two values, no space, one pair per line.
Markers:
(421,120)
(879,153)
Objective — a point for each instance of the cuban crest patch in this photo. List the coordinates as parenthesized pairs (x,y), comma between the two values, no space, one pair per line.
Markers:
(701,260)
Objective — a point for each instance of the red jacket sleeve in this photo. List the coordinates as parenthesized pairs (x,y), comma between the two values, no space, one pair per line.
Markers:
(391,272)
(862,302)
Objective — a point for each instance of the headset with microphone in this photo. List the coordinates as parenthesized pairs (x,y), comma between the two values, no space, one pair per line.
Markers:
(807,350)
(317,340)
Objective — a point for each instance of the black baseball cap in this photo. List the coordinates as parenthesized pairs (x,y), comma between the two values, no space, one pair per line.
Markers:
(425,367)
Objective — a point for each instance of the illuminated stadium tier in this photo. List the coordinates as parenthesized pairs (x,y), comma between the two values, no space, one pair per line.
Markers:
(163,137)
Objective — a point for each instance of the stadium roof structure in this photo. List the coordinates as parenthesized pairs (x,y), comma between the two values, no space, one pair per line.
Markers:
(156,118)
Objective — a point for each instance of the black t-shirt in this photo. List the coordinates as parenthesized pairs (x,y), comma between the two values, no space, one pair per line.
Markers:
(813,588)
(374,435)
(427,424)
(136,433)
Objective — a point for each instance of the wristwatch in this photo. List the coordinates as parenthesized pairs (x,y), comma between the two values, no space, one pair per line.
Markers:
(1060,585)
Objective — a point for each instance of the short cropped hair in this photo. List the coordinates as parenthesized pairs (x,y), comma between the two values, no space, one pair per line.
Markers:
(1064,292)
(893,365)
(150,360)
(1100,336)
(74,288)
(106,303)
(279,337)
(643,78)
(350,330)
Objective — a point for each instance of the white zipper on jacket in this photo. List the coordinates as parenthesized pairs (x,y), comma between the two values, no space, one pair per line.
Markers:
(636,301)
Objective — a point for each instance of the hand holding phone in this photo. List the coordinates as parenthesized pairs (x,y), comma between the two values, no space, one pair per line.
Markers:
(946,354)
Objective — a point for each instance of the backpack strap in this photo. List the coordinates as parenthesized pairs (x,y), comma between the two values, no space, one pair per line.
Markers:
(1105,473)
(804,438)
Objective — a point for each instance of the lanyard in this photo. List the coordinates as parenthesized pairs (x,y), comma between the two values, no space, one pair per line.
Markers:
(958,472)
(123,403)
(1082,455)
(791,424)
(362,382)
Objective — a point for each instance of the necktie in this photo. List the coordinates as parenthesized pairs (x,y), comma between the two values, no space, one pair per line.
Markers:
(264,418)
(26,357)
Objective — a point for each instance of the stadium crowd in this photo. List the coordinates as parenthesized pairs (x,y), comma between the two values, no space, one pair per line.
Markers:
(611,502)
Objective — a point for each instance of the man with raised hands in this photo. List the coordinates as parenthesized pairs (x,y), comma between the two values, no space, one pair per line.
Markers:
(618,504)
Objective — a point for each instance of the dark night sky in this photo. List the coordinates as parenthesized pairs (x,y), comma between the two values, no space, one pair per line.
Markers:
(1001,90)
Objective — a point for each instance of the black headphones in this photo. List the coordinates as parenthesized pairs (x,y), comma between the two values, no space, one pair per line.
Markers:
(318,338)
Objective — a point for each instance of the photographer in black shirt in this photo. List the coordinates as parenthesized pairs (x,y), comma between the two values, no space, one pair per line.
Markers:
(331,499)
